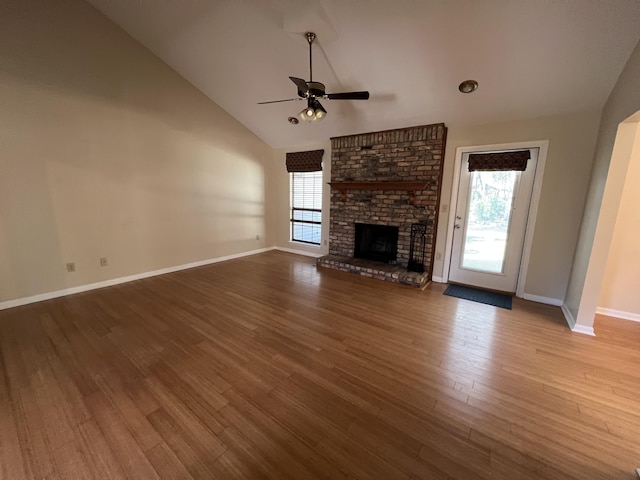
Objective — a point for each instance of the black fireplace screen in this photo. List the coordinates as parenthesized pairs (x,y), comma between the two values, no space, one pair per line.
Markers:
(376,242)
(416,247)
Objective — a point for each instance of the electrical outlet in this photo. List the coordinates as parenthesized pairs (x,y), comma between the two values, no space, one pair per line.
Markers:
(71,267)
(325,242)
(103,262)
(438,256)
(257,237)
(444,208)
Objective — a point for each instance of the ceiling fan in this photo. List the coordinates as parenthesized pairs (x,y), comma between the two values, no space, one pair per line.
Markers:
(313,91)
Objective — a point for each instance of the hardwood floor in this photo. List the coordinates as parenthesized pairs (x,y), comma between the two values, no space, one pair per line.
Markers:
(265,367)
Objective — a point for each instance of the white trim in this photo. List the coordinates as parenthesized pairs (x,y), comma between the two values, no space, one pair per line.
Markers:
(543,147)
(299,252)
(116,281)
(584,330)
(577,328)
(546,300)
(453,205)
(438,279)
(568,316)
(609,312)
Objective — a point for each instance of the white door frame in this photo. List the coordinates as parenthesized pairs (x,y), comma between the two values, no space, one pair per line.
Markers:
(543,146)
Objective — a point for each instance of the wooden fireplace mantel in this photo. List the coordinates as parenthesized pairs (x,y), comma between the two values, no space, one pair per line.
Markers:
(411,187)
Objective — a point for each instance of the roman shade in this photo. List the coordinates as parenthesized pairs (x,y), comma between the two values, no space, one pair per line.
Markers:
(502,161)
(310,161)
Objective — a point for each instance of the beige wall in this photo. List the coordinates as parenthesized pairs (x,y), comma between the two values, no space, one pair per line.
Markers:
(571,143)
(622,272)
(589,262)
(279,199)
(105,151)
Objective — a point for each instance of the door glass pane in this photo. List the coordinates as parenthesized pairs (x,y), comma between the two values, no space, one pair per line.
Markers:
(490,200)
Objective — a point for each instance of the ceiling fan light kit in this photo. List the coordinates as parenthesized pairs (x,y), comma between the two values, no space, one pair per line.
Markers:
(313,113)
(320,111)
(307,115)
(312,91)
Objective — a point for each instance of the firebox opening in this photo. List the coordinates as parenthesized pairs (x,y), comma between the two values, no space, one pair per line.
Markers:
(376,242)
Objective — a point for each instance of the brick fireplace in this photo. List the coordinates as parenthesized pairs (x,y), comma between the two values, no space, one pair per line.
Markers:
(390,178)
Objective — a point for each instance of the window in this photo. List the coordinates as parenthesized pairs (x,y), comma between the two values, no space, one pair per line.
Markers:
(306,207)
(305,170)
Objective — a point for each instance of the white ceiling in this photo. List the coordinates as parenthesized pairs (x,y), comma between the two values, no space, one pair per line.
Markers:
(530,57)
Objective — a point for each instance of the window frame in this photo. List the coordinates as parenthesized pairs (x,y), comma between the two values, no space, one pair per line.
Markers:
(317,179)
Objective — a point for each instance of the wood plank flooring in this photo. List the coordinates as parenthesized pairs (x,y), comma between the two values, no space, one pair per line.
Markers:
(266,367)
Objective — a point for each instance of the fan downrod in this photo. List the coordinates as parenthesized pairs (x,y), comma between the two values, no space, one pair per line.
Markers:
(310,38)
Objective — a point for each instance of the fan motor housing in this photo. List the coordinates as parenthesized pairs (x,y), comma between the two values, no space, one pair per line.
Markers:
(316,89)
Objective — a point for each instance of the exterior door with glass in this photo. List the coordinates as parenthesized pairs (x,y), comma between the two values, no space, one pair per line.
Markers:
(490,223)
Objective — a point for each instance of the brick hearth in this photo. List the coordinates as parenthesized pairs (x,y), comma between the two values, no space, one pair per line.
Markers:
(405,157)
(370,268)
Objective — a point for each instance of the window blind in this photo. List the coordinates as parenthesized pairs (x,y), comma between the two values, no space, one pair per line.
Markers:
(309,161)
(502,161)
(306,207)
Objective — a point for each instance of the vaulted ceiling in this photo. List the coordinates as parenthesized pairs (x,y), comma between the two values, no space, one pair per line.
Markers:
(530,57)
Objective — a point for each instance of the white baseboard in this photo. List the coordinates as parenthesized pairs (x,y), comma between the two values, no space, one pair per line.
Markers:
(573,325)
(609,312)
(299,252)
(584,330)
(116,281)
(546,300)
(568,316)
(438,279)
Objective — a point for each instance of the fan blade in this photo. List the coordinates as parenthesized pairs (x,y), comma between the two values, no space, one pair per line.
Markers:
(280,101)
(348,96)
(303,88)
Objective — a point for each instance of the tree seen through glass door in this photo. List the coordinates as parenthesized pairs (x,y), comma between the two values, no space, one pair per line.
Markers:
(490,207)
